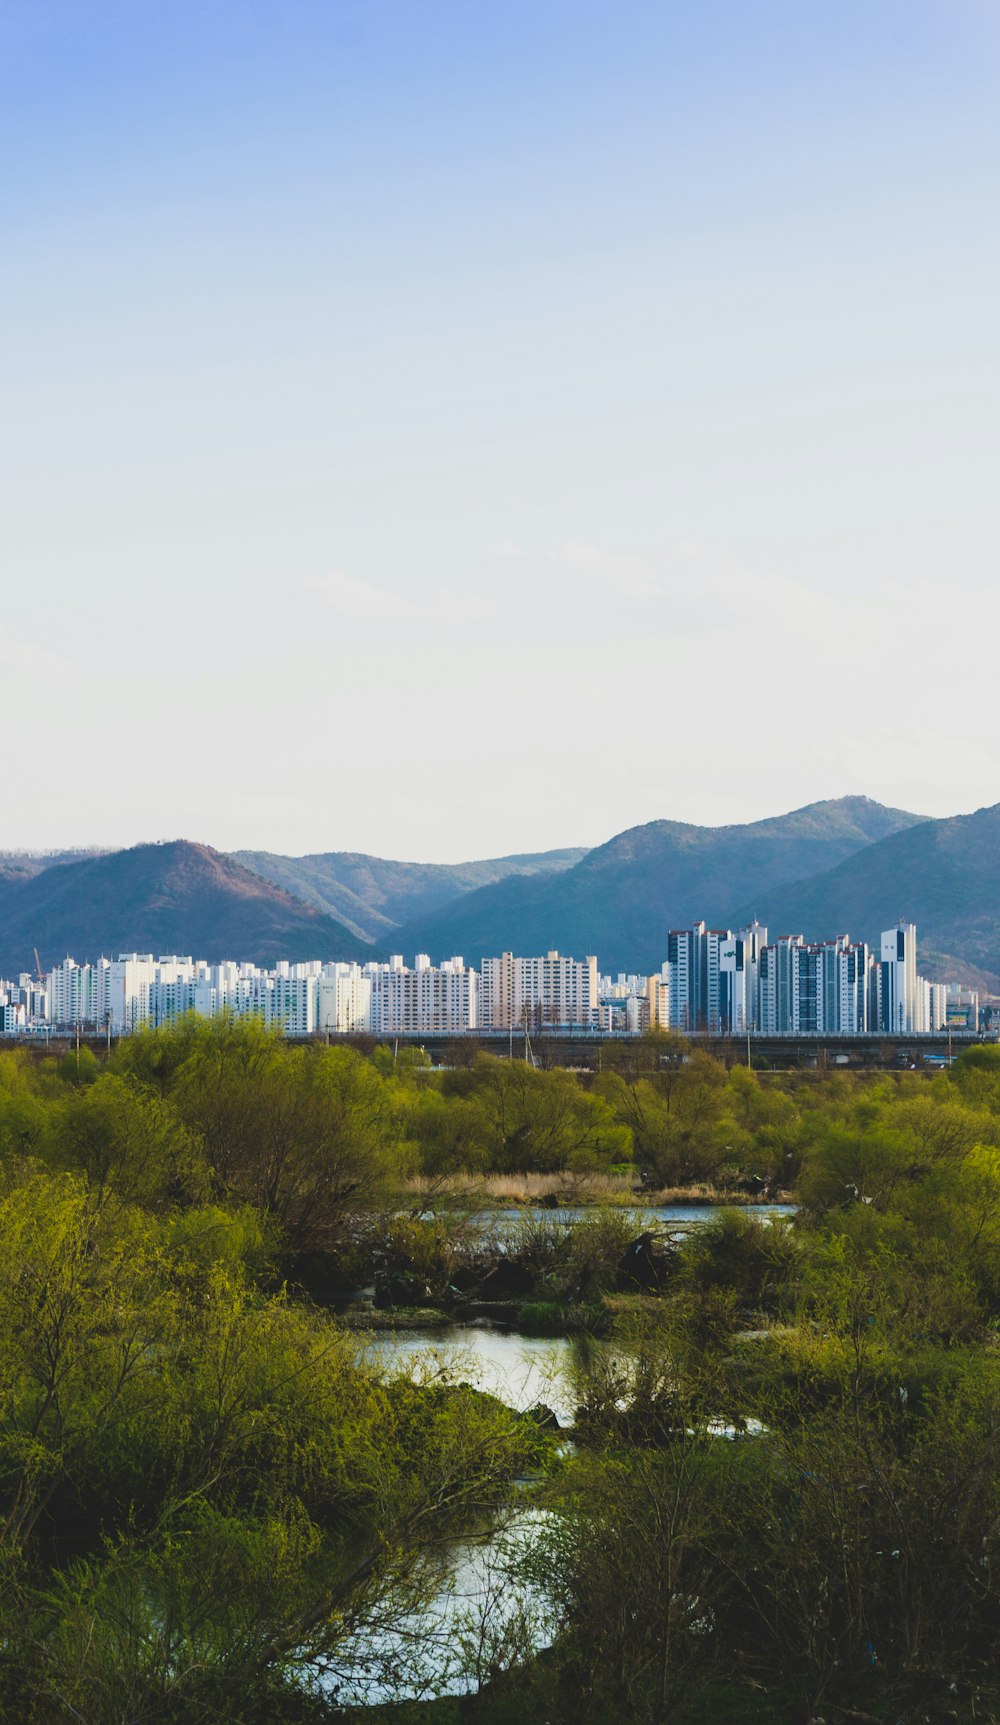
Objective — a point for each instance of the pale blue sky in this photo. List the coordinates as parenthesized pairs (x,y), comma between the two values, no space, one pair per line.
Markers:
(451,428)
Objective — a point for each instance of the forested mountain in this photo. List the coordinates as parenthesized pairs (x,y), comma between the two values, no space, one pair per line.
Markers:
(22,865)
(844,865)
(170,898)
(372,895)
(943,875)
(620,899)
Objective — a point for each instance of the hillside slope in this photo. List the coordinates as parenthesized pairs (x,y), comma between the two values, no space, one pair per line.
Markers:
(171,898)
(21,865)
(372,895)
(620,899)
(943,875)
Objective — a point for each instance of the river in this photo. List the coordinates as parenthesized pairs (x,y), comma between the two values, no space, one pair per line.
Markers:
(437,1650)
(519,1370)
(676,1219)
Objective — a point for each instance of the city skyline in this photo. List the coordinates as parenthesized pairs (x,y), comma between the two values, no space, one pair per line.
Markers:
(713,981)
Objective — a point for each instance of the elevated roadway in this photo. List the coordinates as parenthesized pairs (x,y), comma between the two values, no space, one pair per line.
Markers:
(589,1050)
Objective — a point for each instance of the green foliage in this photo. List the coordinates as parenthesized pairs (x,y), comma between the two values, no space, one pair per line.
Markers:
(124,1137)
(196,1477)
(408,1064)
(302,1133)
(595,1247)
(450,1133)
(755,1259)
(810,1507)
(79,1067)
(693,1121)
(429,1248)
(539,1121)
(785,1463)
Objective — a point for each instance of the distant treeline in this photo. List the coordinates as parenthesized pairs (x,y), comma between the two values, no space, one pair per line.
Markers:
(666,1107)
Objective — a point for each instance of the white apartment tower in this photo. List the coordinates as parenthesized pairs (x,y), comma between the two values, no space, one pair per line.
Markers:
(539,992)
(853,967)
(694,957)
(343,998)
(130,979)
(899,1005)
(739,979)
(776,984)
(77,993)
(428,998)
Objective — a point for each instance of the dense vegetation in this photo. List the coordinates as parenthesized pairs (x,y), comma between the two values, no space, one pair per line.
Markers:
(783,1501)
(202,1486)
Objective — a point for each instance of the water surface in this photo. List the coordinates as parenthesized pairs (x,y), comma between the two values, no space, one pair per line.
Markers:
(677,1219)
(519,1370)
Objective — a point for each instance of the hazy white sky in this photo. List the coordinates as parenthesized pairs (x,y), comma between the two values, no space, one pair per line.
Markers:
(443,429)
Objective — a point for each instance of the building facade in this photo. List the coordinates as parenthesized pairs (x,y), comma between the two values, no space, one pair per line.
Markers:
(537,993)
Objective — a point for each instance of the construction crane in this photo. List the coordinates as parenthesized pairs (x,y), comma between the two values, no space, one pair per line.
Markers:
(38,967)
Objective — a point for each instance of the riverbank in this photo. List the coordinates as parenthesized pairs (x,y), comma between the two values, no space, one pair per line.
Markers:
(567,1189)
(521,1696)
(542,1270)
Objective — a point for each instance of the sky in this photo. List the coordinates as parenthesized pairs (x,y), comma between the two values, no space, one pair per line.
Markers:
(448,428)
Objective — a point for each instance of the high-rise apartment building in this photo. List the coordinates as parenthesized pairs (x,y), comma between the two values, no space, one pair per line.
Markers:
(343,998)
(777,985)
(853,969)
(130,978)
(539,992)
(694,956)
(428,998)
(739,979)
(658,996)
(898,1005)
(815,987)
(78,993)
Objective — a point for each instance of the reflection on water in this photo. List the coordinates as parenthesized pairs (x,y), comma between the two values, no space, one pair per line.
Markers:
(478,1617)
(520,1370)
(677,1218)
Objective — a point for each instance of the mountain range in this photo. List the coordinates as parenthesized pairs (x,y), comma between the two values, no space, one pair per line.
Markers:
(944,875)
(192,900)
(162,898)
(372,896)
(844,865)
(621,898)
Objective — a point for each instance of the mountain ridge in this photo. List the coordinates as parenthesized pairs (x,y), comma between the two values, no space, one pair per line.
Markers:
(621,899)
(177,897)
(944,876)
(840,865)
(373,895)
